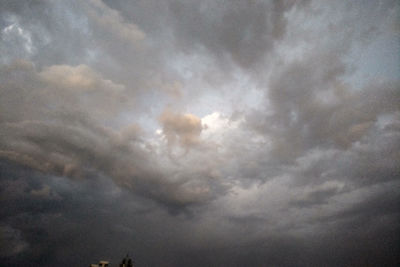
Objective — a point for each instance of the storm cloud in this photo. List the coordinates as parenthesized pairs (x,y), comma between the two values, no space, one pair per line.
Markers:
(200,133)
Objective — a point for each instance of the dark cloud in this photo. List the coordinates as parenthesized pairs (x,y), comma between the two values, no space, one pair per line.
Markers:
(96,209)
(241,31)
(241,133)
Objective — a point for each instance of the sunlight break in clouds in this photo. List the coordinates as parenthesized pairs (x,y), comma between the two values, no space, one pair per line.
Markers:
(200,133)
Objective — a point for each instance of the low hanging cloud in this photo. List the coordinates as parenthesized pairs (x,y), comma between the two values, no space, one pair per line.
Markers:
(212,133)
(72,142)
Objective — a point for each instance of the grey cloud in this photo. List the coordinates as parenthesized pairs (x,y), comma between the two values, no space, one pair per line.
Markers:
(302,119)
(319,195)
(244,133)
(59,227)
(47,32)
(83,33)
(28,94)
(242,32)
(238,32)
(109,19)
(113,213)
(77,152)
(11,242)
(70,141)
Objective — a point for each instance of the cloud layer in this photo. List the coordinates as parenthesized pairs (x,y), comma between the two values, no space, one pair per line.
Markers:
(241,133)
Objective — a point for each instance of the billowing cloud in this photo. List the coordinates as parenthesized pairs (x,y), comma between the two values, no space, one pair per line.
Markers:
(212,133)
(243,32)
(71,141)
(183,129)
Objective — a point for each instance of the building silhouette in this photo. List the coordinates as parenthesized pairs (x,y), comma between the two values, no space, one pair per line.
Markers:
(126,262)
(101,264)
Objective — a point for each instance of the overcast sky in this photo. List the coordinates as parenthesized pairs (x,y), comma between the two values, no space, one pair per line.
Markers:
(200,133)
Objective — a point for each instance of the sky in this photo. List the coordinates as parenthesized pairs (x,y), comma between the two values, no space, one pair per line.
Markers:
(200,133)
